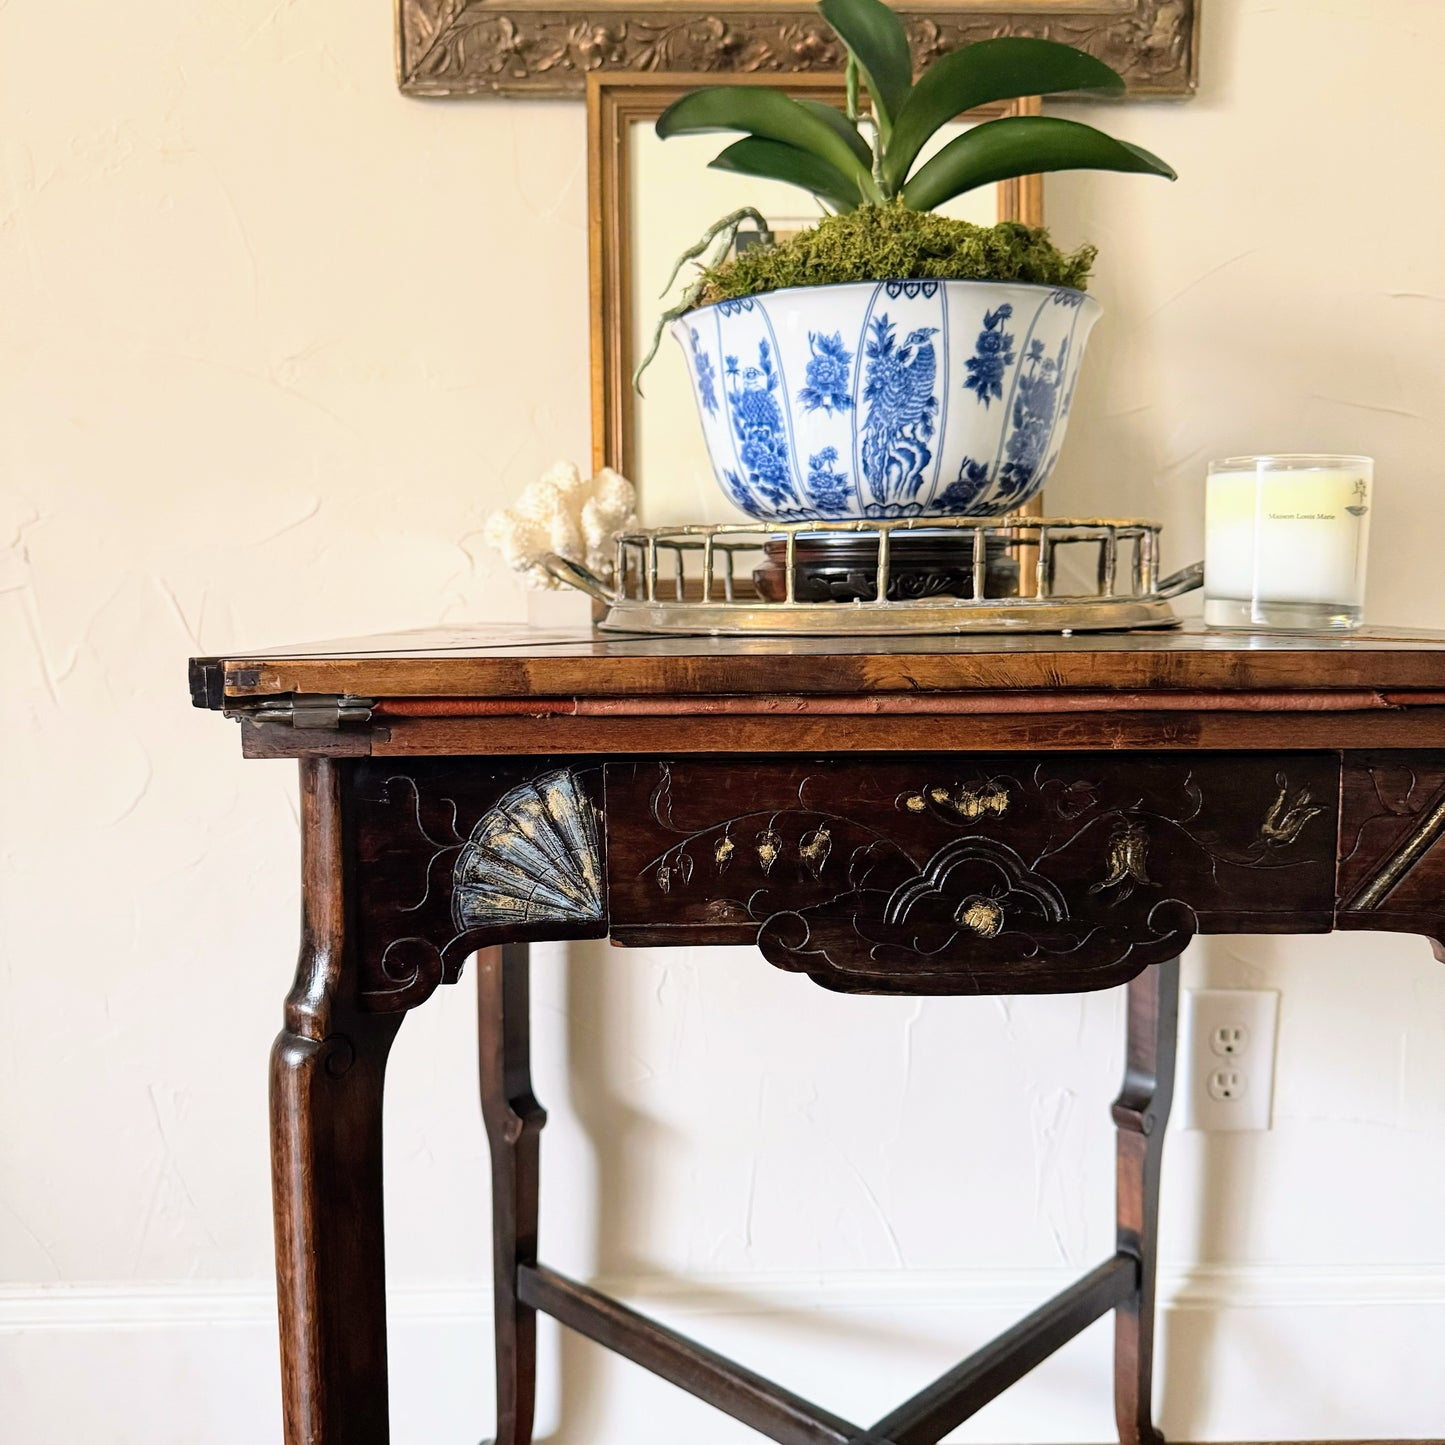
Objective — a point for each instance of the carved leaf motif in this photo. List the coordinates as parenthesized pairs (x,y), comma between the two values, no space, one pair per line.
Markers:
(814,850)
(423,20)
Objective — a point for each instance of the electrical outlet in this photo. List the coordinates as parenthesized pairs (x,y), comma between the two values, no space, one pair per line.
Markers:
(1227,1039)
(1225,1085)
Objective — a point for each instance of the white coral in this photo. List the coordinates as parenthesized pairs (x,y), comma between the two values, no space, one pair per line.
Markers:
(576,517)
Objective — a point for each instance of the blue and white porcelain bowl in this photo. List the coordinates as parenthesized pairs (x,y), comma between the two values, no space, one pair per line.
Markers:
(886,399)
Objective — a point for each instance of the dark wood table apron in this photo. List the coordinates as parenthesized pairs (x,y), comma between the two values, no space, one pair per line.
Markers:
(923,816)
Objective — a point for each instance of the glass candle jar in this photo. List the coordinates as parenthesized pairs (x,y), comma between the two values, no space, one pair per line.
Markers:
(1285,539)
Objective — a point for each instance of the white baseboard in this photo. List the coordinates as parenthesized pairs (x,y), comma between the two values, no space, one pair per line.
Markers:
(1207,1287)
(1248,1352)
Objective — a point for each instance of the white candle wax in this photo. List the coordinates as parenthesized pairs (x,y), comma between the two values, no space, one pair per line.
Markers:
(1287,535)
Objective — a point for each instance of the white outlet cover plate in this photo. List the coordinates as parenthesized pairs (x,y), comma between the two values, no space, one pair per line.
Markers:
(1205,1012)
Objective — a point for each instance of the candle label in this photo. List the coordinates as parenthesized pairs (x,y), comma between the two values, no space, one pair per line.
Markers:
(1287,536)
(1358,505)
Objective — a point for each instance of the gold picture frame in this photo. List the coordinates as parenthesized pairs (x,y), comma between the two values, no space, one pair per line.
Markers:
(615,104)
(540,48)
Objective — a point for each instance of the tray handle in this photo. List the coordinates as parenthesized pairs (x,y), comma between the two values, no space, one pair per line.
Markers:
(574,574)
(1186,579)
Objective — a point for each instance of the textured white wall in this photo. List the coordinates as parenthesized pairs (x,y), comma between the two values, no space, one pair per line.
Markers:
(272,342)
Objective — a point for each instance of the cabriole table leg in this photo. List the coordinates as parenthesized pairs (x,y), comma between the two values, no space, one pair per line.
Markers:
(327,1072)
(1140,1114)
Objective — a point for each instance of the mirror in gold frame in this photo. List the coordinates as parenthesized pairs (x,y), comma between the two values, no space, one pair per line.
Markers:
(648,201)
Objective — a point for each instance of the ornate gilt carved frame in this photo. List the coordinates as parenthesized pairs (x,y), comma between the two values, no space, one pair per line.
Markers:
(540,47)
(615,103)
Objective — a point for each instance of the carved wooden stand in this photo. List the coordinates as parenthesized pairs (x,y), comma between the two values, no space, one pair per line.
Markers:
(993,819)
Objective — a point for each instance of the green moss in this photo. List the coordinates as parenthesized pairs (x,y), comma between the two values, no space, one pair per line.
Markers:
(892,243)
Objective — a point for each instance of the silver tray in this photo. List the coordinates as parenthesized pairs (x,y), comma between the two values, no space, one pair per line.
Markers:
(1083,575)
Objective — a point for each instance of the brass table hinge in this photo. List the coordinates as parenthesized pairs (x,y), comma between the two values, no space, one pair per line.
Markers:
(318,711)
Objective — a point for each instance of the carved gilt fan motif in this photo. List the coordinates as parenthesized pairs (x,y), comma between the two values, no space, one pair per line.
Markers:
(534,856)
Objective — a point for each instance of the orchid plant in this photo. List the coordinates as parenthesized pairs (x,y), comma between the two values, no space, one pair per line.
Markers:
(867,154)
(849,158)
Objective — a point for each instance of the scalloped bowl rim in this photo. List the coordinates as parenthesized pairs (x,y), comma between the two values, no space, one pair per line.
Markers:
(889,281)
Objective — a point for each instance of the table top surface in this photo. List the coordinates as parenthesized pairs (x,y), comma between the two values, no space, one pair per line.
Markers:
(517,661)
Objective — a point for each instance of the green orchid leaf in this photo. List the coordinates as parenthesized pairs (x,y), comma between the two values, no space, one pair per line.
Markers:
(770,115)
(980,74)
(771,160)
(1022,145)
(873,33)
(834,117)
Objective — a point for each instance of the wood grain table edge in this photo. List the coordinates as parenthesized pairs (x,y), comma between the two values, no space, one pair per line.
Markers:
(1136,665)
(728,735)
